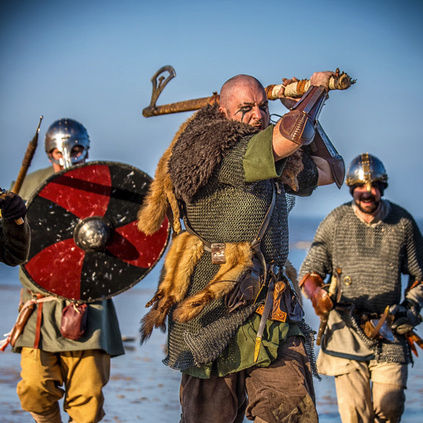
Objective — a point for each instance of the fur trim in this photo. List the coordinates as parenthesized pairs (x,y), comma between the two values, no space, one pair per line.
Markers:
(160,199)
(201,147)
(238,260)
(293,166)
(182,257)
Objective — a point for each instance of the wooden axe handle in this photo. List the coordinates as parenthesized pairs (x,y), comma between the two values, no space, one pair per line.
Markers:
(296,89)
(180,106)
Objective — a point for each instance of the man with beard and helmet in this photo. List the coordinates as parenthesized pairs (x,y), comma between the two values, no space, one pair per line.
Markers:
(365,245)
(54,366)
(236,328)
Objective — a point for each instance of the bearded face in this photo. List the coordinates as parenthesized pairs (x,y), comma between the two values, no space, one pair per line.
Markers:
(367,201)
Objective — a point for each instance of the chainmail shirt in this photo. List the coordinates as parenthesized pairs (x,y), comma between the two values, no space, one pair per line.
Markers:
(227,209)
(371,258)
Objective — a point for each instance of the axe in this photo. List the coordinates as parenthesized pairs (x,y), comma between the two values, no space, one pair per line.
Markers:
(340,81)
(321,145)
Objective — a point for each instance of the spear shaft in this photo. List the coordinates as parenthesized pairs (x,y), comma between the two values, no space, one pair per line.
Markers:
(26,162)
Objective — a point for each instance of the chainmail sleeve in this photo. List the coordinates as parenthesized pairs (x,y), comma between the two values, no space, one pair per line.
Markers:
(413,261)
(319,256)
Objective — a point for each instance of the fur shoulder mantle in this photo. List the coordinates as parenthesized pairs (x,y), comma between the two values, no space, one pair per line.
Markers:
(201,147)
(196,149)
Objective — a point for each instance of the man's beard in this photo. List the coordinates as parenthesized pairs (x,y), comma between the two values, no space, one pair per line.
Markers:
(367,203)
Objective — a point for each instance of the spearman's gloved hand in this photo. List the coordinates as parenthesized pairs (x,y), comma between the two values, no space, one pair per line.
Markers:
(406,316)
(12,206)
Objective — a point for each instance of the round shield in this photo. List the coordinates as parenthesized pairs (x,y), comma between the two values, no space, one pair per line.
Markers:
(85,244)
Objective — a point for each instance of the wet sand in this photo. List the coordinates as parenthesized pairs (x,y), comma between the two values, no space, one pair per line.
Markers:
(141,388)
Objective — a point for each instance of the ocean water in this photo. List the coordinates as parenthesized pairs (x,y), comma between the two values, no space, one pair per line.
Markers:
(141,388)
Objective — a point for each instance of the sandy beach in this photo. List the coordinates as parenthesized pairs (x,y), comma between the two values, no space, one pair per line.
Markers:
(141,388)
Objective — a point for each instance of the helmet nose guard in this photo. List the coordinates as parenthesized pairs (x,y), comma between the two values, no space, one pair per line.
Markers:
(65,134)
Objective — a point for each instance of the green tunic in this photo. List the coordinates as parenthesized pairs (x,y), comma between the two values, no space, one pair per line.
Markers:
(102,324)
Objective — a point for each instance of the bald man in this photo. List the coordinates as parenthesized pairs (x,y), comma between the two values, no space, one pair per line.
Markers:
(236,328)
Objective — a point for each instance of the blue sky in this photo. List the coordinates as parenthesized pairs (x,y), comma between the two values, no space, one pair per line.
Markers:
(93,60)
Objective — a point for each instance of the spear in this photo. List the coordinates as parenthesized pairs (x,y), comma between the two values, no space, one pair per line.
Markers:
(26,162)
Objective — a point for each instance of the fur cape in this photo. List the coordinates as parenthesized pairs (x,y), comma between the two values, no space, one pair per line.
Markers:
(184,254)
(187,164)
(197,148)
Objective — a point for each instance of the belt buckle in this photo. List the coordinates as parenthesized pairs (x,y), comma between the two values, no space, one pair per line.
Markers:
(218,253)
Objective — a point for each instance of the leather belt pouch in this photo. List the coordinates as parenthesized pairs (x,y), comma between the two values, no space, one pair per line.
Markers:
(74,321)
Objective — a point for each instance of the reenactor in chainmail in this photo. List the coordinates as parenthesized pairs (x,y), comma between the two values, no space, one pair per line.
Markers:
(226,174)
(365,245)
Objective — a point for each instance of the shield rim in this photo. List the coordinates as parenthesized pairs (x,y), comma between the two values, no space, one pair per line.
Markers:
(148,270)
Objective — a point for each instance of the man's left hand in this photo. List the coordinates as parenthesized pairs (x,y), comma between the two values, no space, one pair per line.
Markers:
(406,317)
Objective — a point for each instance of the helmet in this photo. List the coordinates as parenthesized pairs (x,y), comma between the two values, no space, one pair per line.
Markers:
(65,134)
(366,169)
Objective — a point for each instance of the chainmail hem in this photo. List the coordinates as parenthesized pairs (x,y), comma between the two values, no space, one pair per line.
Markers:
(205,346)
(395,352)
(309,340)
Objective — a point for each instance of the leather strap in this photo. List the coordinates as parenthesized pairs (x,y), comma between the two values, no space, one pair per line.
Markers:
(382,319)
(39,322)
(298,124)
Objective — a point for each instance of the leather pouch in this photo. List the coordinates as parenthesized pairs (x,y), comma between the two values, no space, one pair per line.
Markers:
(247,288)
(74,321)
(290,303)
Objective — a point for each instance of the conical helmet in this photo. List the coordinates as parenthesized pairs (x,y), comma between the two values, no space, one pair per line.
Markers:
(366,169)
(65,134)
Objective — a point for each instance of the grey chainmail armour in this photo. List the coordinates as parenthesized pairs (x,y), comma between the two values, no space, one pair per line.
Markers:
(226,209)
(371,258)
